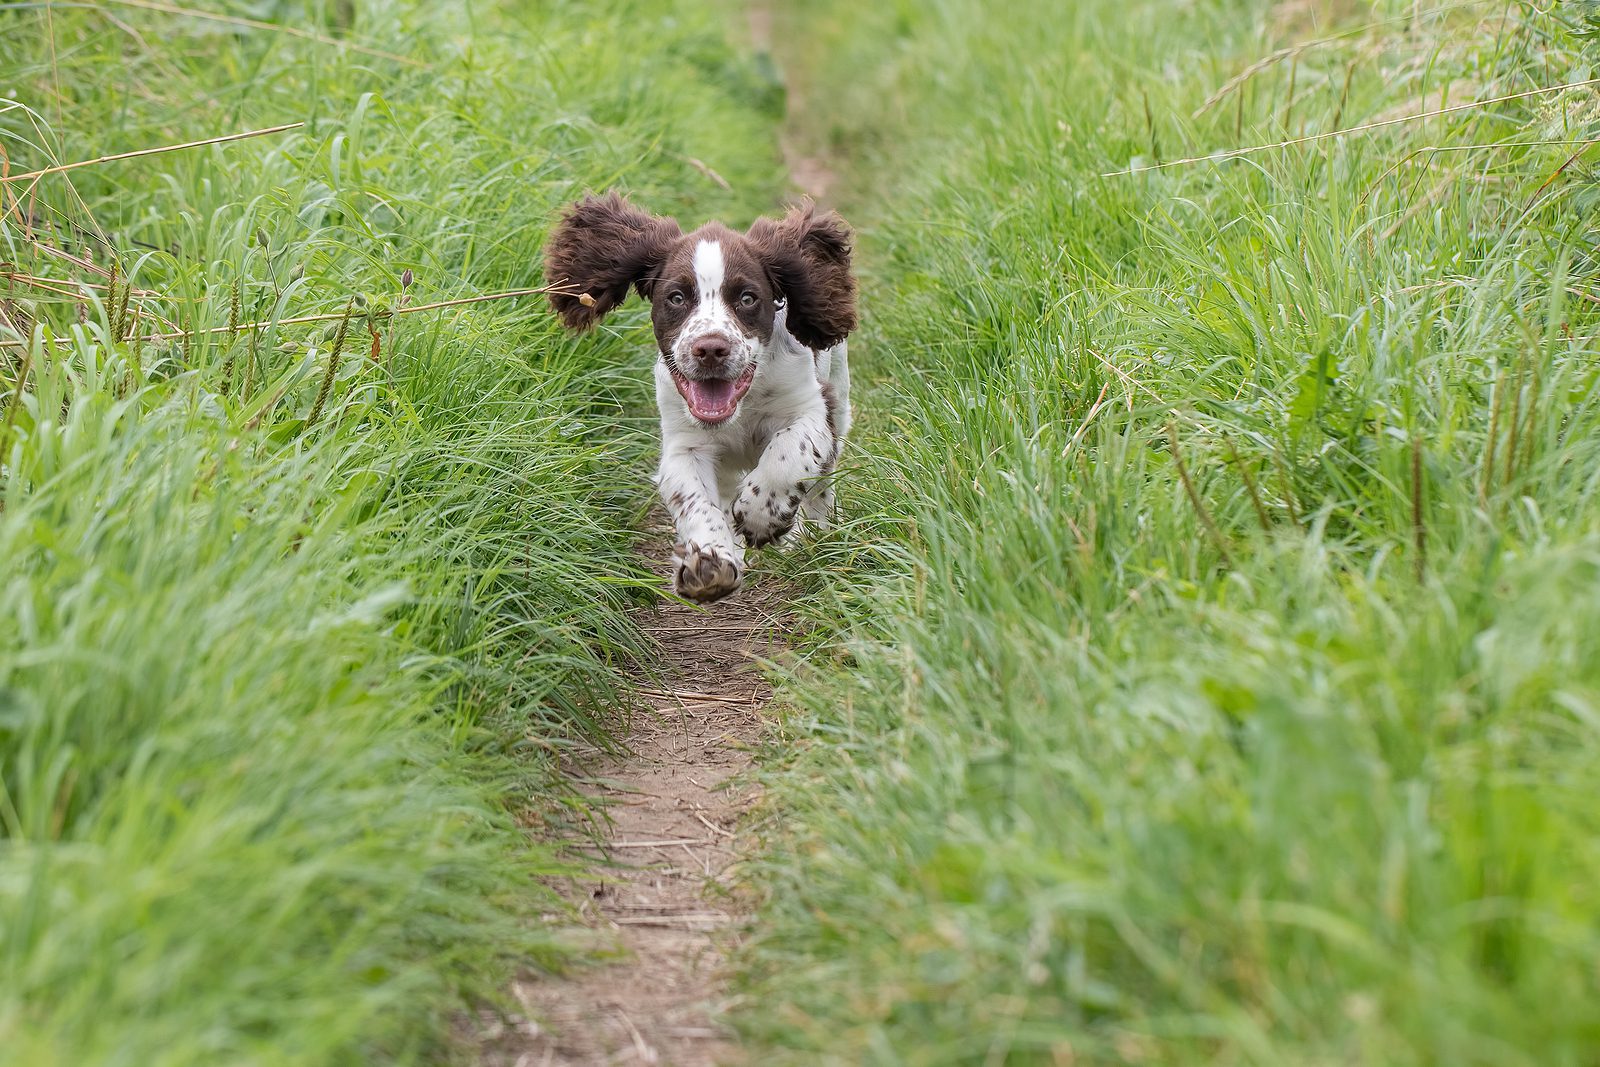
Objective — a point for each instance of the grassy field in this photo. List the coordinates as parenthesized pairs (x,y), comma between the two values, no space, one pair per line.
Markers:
(1208,668)
(292,618)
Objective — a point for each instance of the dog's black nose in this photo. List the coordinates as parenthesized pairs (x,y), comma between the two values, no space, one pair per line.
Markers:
(710,349)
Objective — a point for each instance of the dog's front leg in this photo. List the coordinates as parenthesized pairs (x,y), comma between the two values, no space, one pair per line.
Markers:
(707,562)
(798,456)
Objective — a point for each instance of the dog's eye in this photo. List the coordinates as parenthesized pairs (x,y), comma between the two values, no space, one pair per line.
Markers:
(747,300)
(676,298)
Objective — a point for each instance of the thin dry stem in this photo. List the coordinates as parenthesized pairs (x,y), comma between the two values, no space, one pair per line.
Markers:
(1250,486)
(1235,153)
(1083,427)
(1570,160)
(1288,488)
(274,27)
(300,320)
(62,168)
(1194,498)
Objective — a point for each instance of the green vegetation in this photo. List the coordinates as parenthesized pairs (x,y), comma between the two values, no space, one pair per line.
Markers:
(289,627)
(1208,666)
(1210,669)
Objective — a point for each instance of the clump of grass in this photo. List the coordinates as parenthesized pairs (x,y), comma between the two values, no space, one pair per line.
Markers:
(1273,749)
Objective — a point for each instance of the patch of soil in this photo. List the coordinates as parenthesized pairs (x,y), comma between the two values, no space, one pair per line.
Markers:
(809,172)
(667,899)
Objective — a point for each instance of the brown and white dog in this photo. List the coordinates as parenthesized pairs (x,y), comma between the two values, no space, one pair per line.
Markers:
(752,380)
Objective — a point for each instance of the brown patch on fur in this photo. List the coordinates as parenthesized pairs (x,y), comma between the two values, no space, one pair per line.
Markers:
(602,246)
(809,255)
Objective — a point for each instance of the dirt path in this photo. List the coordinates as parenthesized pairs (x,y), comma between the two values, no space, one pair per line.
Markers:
(675,803)
(809,173)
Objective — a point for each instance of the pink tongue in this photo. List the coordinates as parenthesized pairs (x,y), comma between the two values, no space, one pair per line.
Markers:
(711,399)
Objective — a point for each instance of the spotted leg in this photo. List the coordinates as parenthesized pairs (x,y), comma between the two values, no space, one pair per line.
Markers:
(795,460)
(707,562)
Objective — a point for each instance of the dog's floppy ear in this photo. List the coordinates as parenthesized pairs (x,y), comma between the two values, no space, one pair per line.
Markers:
(808,254)
(603,245)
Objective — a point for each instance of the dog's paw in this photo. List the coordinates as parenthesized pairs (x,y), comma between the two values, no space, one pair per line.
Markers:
(704,574)
(763,515)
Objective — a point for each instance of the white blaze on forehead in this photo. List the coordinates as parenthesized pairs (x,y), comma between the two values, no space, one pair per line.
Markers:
(709,271)
(712,315)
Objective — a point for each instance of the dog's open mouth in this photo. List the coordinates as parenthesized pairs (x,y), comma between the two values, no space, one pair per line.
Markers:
(712,400)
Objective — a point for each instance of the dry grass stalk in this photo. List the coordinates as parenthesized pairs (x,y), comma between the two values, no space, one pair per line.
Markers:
(1569,161)
(1194,498)
(61,168)
(1288,488)
(1250,486)
(1423,203)
(300,320)
(1083,427)
(274,27)
(1291,52)
(1235,153)
(46,284)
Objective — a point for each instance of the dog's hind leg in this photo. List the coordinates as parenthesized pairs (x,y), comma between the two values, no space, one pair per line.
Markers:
(837,390)
(833,369)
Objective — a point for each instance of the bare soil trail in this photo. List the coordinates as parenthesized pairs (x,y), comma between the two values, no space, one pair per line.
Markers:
(667,900)
(809,173)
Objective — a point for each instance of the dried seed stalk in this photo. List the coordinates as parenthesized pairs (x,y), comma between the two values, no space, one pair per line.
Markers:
(333,364)
(233,326)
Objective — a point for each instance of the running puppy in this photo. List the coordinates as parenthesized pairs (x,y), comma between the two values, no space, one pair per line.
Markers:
(752,379)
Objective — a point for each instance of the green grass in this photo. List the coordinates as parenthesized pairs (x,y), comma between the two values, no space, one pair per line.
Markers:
(1295,763)
(287,641)
(1206,671)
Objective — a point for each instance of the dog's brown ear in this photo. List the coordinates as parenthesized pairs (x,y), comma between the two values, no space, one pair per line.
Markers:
(603,245)
(808,254)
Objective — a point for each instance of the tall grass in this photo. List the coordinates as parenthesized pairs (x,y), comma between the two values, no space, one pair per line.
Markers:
(293,618)
(1213,671)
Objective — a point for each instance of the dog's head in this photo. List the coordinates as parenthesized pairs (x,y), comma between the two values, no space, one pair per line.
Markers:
(715,295)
